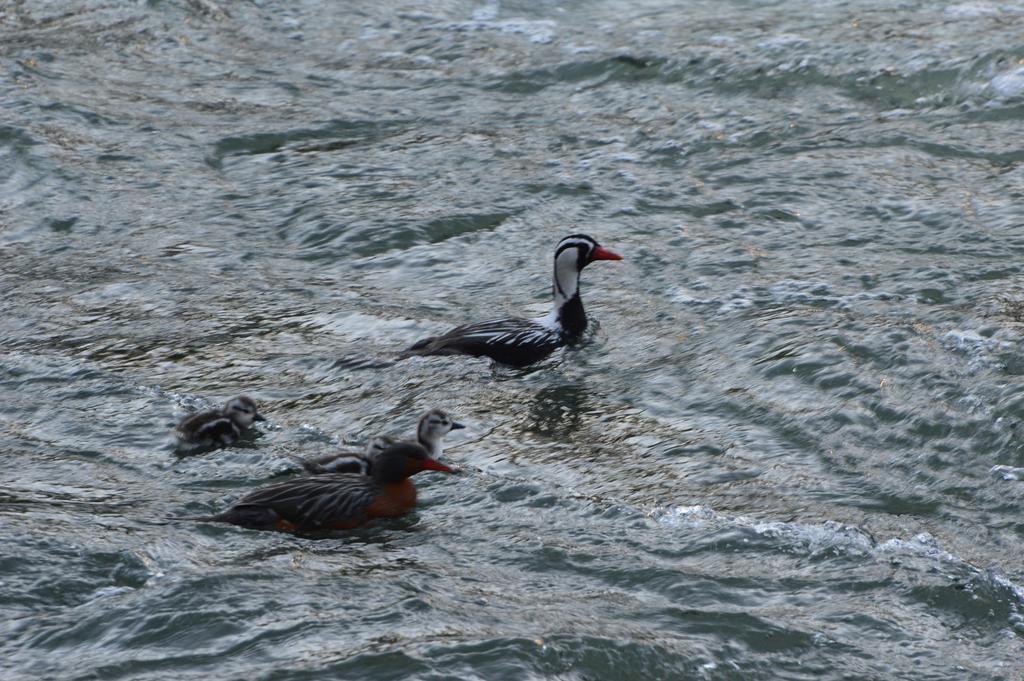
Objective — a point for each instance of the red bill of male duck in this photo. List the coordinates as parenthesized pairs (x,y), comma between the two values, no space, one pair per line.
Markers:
(519,342)
(335,501)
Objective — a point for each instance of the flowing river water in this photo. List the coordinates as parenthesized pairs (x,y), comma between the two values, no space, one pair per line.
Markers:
(791,446)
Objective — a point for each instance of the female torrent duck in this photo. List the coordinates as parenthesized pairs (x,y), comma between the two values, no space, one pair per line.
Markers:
(218,427)
(430,430)
(517,341)
(336,501)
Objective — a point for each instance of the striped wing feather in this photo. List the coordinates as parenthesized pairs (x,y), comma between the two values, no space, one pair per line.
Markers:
(346,462)
(219,430)
(207,427)
(322,501)
(509,341)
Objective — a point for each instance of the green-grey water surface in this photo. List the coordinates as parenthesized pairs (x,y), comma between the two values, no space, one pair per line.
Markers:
(789,448)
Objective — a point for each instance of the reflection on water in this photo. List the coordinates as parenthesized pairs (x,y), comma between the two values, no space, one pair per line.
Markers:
(557,412)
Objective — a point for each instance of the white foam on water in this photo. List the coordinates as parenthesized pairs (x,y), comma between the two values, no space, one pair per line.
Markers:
(108,591)
(1009,84)
(895,114)
(800,291)
(817,538)
(736,303)
(1002,582)
(540,31)
(683,296)
(803,292)
(922,544)
(1007,472)
(185,402)
(838,537)
(358,325)
(972,10)
(813,538)
(783,41)
(790,292)
(721,40)
(981,351)
(488,12)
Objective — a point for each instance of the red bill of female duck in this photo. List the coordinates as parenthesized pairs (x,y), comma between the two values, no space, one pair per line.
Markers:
(336,501)
(519,342)
(430,431)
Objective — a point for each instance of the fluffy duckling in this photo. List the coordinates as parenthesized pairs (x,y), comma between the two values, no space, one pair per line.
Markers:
(218,427)
(430,431)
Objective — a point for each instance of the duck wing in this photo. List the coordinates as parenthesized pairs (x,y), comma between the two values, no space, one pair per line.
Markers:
(513,341)
(343,462)
(207,428)
(318,502)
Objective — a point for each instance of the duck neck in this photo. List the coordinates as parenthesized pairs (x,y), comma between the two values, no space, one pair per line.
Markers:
(567,313)
(387,470)
(431,443)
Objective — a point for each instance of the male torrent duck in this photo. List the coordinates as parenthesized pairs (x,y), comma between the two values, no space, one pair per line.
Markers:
(517,341)
(432,427)
(336,501)
(218,427)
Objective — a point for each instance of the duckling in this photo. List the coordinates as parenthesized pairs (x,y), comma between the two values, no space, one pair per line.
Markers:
(432,427)
(348,462)
(218,427)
